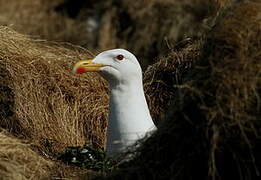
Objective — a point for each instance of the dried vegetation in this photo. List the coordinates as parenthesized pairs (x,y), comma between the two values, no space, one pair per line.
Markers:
(212,130)
(204,92)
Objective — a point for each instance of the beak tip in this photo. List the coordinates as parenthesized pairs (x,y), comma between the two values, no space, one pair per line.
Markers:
(79,70)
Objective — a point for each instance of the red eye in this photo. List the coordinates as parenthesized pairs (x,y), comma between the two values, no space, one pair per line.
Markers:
(119,57)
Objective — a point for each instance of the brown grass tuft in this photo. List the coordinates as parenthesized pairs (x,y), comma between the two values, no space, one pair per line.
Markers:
(46,102)
(162,78)
(19,161)
(233,107)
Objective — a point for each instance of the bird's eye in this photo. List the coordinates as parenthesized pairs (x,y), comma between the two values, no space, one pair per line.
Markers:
(120,57)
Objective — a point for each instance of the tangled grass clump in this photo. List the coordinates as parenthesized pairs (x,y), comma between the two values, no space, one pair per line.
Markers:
(43,95)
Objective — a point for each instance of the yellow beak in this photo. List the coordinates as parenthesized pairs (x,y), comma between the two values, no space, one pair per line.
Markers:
(86,66)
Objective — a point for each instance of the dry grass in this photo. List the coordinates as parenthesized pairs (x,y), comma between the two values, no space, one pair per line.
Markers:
(38,19)
(234,116)
(210,87)
(43,102)
(46,102)
(147,28)
(19,161)
(161,78)
(212,130)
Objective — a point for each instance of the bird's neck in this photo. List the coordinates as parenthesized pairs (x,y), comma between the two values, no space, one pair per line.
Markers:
(128,105)
(121,89)
(129,117)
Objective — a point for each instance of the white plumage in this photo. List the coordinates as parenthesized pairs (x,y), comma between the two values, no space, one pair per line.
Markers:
(129,116)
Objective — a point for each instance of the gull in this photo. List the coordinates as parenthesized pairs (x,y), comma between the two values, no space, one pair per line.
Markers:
(129,116)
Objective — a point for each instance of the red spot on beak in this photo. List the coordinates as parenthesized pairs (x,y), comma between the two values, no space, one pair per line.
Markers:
(80,70)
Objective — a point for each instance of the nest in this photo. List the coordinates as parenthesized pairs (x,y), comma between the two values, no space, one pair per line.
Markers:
(212,130)
(204,95)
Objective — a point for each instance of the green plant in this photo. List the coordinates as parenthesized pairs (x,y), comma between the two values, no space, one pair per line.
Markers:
(87,157)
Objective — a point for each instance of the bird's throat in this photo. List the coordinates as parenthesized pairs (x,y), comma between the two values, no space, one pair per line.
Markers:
(129,117)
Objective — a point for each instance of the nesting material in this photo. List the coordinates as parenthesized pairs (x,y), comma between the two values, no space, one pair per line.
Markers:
(212,130)
(19,161)
(162,78)
(41,98)
(44,103)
